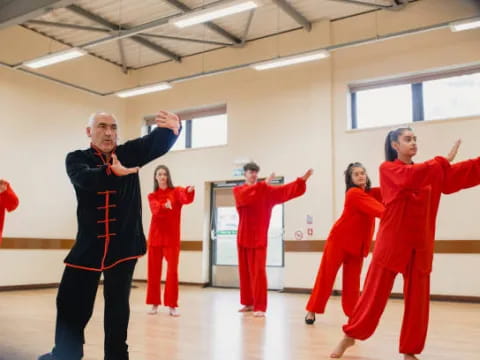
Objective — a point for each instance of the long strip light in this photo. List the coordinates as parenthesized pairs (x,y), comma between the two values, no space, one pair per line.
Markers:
(214,12)
(143,90)
(465,25)
(54,58)
(291,60)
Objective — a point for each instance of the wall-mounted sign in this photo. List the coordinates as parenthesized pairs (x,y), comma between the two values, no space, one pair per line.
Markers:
(298,235)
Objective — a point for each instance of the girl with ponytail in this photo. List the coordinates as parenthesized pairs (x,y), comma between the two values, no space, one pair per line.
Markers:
(348,243)
(405,240)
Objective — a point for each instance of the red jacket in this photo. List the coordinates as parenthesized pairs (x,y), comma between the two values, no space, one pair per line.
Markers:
(254,205)
(353,231)
(165,223)
(411,193)
(8,202)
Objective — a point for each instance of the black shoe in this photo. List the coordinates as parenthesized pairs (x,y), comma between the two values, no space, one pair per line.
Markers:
(307,321)
(48,356)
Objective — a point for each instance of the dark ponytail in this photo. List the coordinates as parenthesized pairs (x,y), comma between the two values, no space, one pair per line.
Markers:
(348,176)
(390,152)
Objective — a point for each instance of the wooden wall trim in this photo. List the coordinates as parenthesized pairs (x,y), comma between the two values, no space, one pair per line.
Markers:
(28,287)
(185,283)
(304,245)
(36,243)
(457,247)
(441,246)
(193,245)
(66,244)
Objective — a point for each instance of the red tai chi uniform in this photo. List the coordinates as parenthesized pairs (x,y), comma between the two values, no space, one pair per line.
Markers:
(405,242)
(8,202)
(254,205)
(164,242)
(348,243)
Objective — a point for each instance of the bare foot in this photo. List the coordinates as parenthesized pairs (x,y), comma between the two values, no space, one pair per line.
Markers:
(259,314)
(153,310)
(173,312)
(410,357)
(343,345)
(246,308)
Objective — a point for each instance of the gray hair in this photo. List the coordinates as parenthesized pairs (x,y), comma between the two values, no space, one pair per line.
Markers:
(93,116)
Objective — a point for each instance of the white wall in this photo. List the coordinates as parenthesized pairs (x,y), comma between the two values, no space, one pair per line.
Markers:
(40,123)
(286,119)
(458,213)
(276,111)
(317,95)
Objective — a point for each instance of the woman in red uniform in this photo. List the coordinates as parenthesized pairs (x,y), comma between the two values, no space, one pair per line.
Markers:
(348,243)
(164,238)
(405,240)
(8,202)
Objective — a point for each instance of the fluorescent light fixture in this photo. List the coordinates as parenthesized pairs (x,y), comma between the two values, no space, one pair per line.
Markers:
(465,24)
(143,90)
(214,12)
(291,60)
(54,58)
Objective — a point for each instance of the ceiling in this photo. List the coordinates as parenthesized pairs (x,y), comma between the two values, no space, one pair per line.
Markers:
(83,23)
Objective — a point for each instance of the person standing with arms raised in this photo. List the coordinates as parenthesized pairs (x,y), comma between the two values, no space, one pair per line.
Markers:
(254,201)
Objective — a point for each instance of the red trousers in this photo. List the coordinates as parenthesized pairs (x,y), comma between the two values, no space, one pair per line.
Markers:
(155,260)
(333,257)
(253,277)
(372,302)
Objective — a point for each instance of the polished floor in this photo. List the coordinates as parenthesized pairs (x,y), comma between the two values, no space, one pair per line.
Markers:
(211,328)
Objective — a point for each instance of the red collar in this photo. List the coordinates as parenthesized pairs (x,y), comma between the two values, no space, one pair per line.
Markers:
(99,153)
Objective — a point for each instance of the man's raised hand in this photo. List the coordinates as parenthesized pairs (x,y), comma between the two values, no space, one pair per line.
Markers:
(120,170)
(168,120)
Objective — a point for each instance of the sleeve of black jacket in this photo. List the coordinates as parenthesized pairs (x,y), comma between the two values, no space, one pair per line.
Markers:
(141,151)
(81,174)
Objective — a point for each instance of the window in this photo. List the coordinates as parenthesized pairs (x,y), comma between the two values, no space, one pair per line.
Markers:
(387,106)
(452,97)
(200,127)
(417,98)
(209,131)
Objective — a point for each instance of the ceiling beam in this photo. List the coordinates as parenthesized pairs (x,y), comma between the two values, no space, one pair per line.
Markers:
(104,30)
(68,26)
(64,43)
(177,38)
(365,3)
(19,11)
(293,13)
(102,21)
(247,27)
(212,26)
(123,58)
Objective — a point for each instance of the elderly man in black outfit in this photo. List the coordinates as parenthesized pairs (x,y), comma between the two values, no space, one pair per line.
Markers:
(110,234)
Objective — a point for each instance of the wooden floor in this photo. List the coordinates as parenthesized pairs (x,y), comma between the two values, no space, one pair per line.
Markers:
(211,328)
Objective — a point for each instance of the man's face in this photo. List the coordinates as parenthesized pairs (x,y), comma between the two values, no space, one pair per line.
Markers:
(103,133)
(251,176)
